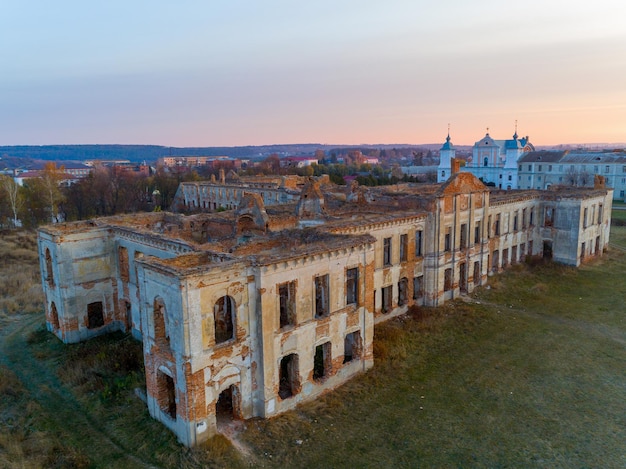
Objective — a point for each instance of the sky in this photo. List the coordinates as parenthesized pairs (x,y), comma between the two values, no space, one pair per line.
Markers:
(250,72)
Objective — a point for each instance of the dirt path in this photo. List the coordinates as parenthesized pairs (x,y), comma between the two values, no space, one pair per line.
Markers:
(64,416)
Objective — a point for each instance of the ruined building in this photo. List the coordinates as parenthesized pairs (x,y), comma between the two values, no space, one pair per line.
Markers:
(252,310)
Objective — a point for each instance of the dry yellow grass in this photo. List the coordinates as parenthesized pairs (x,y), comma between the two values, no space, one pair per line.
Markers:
(20,280)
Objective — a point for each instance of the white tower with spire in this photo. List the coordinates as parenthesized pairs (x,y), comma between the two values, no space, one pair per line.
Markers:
(446,153)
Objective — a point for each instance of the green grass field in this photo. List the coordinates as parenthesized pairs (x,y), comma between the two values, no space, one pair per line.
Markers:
(530,372)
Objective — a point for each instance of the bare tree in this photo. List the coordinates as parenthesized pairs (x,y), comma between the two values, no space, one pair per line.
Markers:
(51,179)
(14,196)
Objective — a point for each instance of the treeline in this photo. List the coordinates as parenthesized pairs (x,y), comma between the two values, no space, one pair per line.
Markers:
(110,191)
(104,192)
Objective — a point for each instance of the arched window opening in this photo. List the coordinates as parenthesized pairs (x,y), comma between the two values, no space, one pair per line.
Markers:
(224,317)
(161,331)
(54,316)
(227,407)
(486,162)
(49,274)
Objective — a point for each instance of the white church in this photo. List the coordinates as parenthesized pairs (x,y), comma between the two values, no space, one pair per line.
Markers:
(495,162)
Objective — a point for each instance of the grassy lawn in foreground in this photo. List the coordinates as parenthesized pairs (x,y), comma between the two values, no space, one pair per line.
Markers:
(527,372)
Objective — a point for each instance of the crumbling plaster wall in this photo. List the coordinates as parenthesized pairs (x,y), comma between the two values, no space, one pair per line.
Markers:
(207,196)
(569,230)
(389,275)
(83,274)
(453,214)
(136,248)
(525,235)
(310,331)
(200,367)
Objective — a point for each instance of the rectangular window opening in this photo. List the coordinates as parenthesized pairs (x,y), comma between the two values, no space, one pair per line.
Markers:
(404,244)
(352,347)
(287,302)
(418,243)
(418,287)
(95,315)
(387,251)
(447,280)
(386,298)
(322,362)
(352,286)
(322,303)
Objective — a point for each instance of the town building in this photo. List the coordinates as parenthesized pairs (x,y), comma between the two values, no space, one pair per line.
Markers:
(297,161)
(495,162)
(543,169)
(190,162)
(250,311)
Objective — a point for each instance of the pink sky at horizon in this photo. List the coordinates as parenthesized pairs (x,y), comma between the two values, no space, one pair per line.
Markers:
(351,72)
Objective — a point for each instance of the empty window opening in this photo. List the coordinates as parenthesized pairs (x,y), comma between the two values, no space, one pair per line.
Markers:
(597,250)
(463,277)
(138,255)
(495,260)
(122,254)
(447,243)
(54,316)
(463,236)
(515,222)
(352,347)
(387,292)
(477,233)
(585,213)
(418,243)
(166,396)
(352,286)
(287,301)
(496,228)
(95,315)
(49,274)
(322,362)
(404,244)
(523,218)
(447,280)
(288,376)
(549,217)
(227,405)
(514,255)
(403,291)
(224,317)
(489,227)
(161,330)
(322,304)
(522,251)
(599,214)
(505,257)
(128,314)
(387,251)
(582,251)
(547,249)
(476,273)
(418,287)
